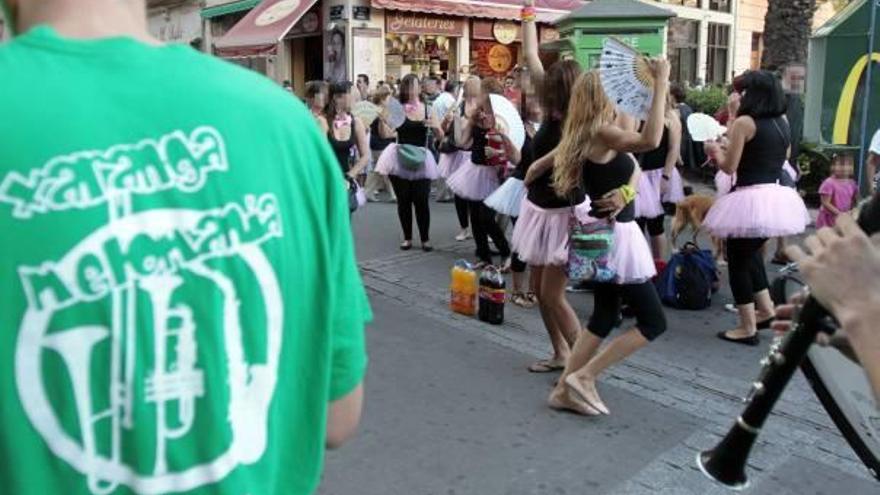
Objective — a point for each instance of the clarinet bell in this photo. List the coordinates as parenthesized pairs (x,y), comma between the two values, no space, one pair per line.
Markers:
(726,463)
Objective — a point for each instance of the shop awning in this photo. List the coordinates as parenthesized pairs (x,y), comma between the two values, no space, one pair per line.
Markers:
(262,28)
(548,10)
(228,8)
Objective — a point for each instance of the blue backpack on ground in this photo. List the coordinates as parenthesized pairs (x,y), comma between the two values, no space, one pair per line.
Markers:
(689,279)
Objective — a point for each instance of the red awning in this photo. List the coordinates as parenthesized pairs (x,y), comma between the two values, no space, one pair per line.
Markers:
(548,10)
(262,28)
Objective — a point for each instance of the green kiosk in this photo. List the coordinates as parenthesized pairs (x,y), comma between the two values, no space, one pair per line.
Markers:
(583,32)
(836,79)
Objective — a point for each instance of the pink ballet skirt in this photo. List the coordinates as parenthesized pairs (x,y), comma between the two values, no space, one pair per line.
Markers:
(508,198)
(649,200)
(450,162)
(760,211)
(723,183)
(473,182)
(630,257)
(388,164)
(540,236)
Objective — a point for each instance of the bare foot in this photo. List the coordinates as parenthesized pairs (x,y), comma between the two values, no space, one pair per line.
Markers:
(561,400)
(586,390)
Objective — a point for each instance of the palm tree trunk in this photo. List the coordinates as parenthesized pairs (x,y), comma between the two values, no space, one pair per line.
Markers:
(787,30)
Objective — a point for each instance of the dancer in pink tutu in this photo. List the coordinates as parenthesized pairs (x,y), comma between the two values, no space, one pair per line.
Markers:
(478,178)
(660,182)
(540,236)
(452,160)
(411,179)
(758,207)
(594,154)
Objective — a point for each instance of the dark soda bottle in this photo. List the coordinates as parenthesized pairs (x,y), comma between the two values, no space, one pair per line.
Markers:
(492,296)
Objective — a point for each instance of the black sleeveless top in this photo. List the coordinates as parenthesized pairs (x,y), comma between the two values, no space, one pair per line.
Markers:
(763,156)
(656,159)
(413,132)
(602,178)
(479,141)
(378,143)
(541,192)
(342,149)
(527,158)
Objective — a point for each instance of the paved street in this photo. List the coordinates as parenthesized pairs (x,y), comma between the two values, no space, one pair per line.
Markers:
(451,408)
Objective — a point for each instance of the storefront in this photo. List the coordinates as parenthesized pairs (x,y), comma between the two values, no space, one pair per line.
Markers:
(421,44)
(496,45)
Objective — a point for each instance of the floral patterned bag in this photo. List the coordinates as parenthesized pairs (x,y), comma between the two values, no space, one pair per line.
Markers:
(589,249)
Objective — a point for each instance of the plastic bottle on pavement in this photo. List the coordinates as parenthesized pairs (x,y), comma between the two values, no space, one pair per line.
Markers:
(492,296)
(463,289)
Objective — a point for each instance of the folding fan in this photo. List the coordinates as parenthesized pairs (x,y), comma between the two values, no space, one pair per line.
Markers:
(508,119)
(366,111)
(396,113)
(626,78)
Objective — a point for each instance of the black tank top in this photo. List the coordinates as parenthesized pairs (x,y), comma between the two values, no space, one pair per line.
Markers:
(342,149)
(602,178)
(479,141)
(413,132)
(541,192)
(377,142)
(763,156)
(527,158)
(656,159)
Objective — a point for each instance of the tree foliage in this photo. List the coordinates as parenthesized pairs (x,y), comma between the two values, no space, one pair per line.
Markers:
(787,30)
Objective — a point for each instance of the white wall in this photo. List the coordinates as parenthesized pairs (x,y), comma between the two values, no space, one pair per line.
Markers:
(177,24)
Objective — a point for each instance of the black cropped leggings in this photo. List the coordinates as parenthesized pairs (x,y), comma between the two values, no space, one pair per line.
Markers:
(461,209)
(642,299)
(413,194)
(654,225)
(484,226)
(745,266)
(516,264)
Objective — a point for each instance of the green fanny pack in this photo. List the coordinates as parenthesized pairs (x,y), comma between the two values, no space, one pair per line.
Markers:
(411,156)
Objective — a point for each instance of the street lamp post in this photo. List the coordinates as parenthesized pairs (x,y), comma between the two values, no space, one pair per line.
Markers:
(866,104)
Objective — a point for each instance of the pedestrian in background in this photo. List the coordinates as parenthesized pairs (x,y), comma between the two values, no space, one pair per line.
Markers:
(316,97)
(454,156)
(381,136)
(344,132)
(839,192)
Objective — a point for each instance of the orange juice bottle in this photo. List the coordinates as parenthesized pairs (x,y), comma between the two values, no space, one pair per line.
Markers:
(463,289)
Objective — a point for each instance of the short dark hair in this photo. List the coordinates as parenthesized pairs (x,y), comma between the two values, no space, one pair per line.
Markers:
(336,89)
(315,87)
(365,77)
(763,96)
(678,92)
(451,87)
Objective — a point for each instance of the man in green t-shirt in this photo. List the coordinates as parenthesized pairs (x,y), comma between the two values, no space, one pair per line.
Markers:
(181,307)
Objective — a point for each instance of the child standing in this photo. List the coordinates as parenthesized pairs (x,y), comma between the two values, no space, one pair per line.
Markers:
(839,192)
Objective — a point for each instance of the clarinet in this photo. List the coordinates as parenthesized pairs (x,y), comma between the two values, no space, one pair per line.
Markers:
(726,462)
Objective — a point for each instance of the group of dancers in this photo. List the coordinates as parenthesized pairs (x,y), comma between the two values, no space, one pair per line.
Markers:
(583,159)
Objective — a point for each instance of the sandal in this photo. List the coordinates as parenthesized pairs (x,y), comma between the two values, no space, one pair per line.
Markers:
(545,366)
(405,245)
(532,297)
(521,300)
(780,259)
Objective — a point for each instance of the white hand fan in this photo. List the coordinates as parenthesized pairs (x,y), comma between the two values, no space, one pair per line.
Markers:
(396,113)
(704,127)
(626,78)
(442,105)
(508,119)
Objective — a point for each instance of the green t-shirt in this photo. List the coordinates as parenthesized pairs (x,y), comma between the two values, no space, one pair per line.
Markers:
(180,294)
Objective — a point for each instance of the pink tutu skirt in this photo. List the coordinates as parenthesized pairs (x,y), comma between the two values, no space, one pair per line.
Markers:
(473,182)
(723,183)
(450,162)
(388,164)
(540,236)
(649,200)
(630,256)
(764,210)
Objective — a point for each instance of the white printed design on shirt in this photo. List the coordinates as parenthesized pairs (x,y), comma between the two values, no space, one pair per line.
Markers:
(140,285)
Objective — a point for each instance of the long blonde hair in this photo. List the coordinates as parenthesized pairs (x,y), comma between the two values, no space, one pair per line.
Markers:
(588,111)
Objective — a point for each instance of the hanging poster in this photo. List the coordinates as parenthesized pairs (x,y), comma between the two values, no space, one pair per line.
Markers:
(493,59)
(335,64)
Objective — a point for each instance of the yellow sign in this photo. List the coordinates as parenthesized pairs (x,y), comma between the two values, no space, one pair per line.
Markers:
(848,99)
(500,58)
(505,32)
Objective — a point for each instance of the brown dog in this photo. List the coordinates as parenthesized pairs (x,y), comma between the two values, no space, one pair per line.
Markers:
(691,211)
